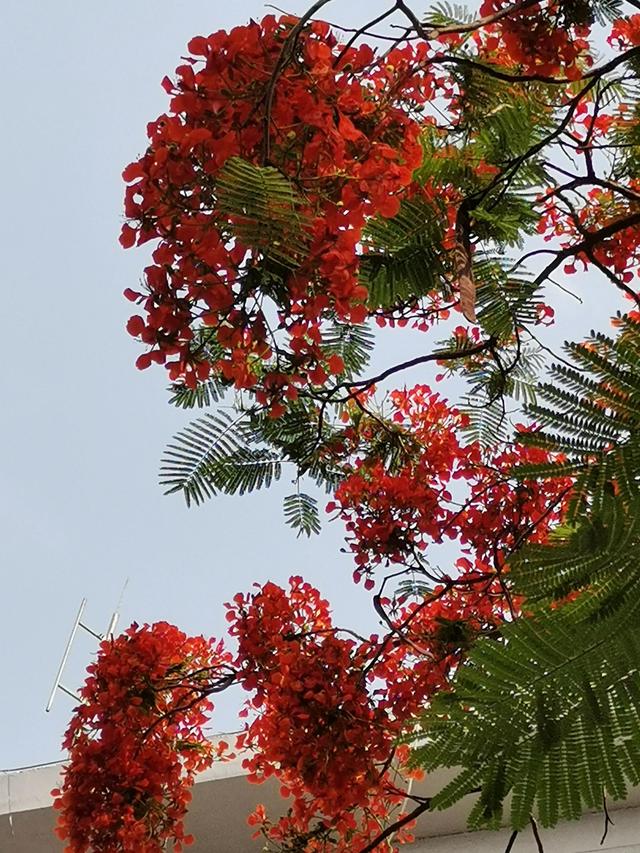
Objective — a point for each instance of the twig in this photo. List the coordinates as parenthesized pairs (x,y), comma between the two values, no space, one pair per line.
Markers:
(437,355)
(283,60)
(512,841)
(377,606)
(485,21)
(364,29)
(587,244)
(394,827)
(607,819)
(536,834)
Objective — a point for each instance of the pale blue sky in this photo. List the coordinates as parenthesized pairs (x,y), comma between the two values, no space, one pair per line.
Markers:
(81,430)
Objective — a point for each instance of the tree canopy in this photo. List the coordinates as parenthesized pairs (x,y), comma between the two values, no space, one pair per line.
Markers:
(309,183)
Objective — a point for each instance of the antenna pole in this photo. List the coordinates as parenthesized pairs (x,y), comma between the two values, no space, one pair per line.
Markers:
(112,626)
(63,662)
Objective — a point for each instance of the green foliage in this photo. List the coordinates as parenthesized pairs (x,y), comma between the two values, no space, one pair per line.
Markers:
(505,221)
(352,343)
(301,513)
(218,454)
(548,713)
(606,11)
(499,126)
(487,422)
(597,557)
(505,302)
(403,258)
(513,375)
(593,417)
(444,13)
(264,209)
(301,440)
(204,345)
(627,136)
(392,446)
(211,455)
(200,397)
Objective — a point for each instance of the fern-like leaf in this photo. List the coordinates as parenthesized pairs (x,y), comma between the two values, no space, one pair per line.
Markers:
(301,513)
(353,344)
(204,395)
(264,211)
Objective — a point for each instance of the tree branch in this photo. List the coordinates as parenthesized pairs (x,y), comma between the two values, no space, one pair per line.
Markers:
(485,21)
(437,355)
(285,57)
(394,827)
(607,819)
(536,834)
(512,841)
(587,244)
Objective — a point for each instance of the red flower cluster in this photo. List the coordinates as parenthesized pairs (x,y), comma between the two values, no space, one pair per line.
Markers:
(391,513)
(339,125)
(310,683)
(136,741)
(536,39)
(625,32)
(328,706)
(619,252)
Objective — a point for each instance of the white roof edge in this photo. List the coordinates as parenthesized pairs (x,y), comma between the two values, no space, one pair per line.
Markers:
(27,788)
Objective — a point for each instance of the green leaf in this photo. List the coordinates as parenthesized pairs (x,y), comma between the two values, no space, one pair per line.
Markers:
(201,397)
(592,415)
(301,513)
(263,211)
(353,344)
(213,455)
(403,258)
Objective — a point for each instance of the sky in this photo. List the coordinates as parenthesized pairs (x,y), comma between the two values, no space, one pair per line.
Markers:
(82,431)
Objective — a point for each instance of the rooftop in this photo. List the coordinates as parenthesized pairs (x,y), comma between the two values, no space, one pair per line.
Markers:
(223,798)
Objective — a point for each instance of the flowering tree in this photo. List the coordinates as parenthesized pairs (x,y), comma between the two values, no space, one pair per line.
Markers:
(306,183)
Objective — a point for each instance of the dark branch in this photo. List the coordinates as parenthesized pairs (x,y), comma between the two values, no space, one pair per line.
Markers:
(394,827)
(607,819)
(437,355)
(536,834)
(286,54)
(584,246)
(512,841)
(479,23)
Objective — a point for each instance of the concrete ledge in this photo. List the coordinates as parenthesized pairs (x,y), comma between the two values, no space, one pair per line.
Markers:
(223,799)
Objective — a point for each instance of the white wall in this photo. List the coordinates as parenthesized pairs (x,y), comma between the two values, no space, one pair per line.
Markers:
(223,799)
(577,837)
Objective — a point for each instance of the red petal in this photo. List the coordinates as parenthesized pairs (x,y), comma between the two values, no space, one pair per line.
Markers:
(127,237)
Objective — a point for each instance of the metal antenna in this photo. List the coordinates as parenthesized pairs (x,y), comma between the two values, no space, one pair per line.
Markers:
(78,623)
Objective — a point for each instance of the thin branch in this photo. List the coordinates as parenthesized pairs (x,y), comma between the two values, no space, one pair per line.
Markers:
(613,278)
(485,21)
(377,606)
(450,584)
(607,819)
(223,683)
(394,827)
(362,31)
(536,834)
(413,18)
(512,841)
(592,76)
(437,355)
(589,180)
(588,243)
(286,54)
